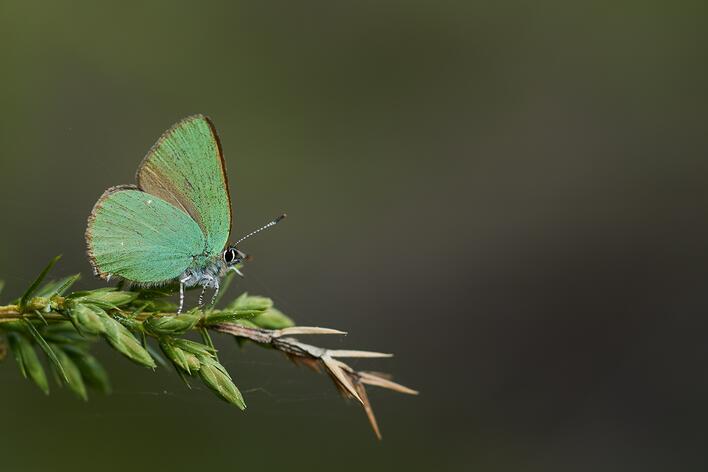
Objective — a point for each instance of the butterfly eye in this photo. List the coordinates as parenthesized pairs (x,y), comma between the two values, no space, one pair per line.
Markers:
(230,255)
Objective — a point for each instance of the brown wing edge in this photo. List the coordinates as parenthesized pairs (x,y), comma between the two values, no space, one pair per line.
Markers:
(92,216)
(214,133)
(224,174)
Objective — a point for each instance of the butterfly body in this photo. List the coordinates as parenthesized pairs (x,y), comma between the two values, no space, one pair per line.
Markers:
(174,224)
(205,271)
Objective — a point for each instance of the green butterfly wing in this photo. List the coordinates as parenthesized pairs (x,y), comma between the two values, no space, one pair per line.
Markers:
(186,168)
(141,237)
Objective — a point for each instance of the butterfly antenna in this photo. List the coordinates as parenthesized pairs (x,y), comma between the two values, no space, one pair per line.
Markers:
(272,223)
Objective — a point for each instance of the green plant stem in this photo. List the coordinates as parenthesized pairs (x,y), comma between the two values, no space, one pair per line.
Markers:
(39,313)
(9,313)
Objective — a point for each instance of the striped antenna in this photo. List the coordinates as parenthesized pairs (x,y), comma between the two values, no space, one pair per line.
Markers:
(272,223)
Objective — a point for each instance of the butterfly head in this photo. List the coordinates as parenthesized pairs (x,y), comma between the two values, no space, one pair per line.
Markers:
(233,258)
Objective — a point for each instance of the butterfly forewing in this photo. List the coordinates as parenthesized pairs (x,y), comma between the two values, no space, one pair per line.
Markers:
(186,168)
(141,237)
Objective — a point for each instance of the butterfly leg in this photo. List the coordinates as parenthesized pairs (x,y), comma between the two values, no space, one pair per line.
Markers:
(216,292)
(181,294)
(201,296)
(181,297)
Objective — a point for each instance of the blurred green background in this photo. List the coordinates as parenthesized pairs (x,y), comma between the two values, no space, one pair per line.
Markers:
(511,196)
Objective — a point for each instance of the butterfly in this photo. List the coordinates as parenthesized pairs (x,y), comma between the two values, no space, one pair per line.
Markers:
(175,224)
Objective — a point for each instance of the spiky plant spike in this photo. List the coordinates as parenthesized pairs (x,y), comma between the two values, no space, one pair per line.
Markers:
(64,328)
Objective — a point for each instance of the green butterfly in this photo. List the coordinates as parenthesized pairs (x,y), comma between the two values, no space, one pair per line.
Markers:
(175,224)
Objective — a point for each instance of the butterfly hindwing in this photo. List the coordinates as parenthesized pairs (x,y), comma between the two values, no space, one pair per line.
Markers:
(186,168)
(141,237)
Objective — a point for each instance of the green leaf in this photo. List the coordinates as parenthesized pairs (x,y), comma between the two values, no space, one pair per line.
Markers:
(40,316)
(13,339)
(215,377)
(206,339)
(87,293)
(57,287)
(66,284)
(244,307)
(246,302)
(27,359)
(2,285)
(183,377)
(172,324)
(226,316)
(91,370)
(48,351)
(123,340)
(73,374)
(272,319)
(30,291)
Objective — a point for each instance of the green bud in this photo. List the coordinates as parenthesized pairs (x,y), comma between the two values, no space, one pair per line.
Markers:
(86,319)
(124,342)
(186,361)
(193,362)
(201,350)
(106,299)
(157,305)
(172,324)
(130,323)
(216,378)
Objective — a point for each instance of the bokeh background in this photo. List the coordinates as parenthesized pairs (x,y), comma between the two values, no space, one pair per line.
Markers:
(510,196)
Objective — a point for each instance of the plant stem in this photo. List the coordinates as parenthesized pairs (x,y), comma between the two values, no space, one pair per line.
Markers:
(9,311)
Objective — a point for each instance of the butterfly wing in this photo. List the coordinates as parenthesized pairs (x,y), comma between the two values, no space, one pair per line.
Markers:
(186,168)
(141,237)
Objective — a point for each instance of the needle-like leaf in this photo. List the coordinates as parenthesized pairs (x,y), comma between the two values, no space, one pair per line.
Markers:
(27,359)
(72,373)
(32,288)
(66,284)
(47,350)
